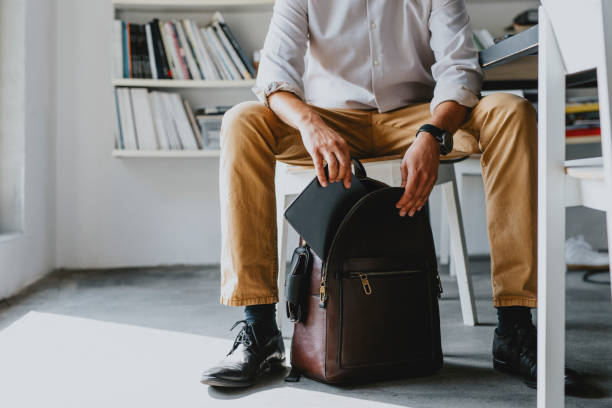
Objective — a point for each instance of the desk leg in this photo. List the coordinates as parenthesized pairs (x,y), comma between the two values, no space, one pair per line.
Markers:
(551,219)
(604,85)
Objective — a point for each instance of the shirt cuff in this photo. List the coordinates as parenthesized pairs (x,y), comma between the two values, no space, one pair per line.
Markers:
(264,93)
(460,94)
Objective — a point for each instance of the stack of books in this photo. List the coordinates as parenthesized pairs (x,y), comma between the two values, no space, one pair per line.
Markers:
(179,49)
(582,118)
(156,121)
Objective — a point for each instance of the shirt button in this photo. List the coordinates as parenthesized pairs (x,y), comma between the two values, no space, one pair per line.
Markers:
(376,62)
(373,25)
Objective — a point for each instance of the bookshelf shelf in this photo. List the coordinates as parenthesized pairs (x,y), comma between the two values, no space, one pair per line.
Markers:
(160,154)
(190,4)
(178,83)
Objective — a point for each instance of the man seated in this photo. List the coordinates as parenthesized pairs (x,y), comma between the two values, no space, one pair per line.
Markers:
(361,78)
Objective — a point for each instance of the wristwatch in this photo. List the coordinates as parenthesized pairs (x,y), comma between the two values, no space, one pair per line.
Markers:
(444,138)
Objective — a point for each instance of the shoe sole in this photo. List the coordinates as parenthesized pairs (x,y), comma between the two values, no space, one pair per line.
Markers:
(267,367)
(503,367)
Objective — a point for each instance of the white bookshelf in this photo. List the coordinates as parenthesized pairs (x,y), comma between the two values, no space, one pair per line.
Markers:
(182,83)
(249,21)
(161,154)
(169,5)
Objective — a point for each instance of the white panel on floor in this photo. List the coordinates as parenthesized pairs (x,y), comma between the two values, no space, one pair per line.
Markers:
(56,361)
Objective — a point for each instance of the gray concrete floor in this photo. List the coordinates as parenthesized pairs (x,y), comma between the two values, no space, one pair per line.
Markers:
(185,299)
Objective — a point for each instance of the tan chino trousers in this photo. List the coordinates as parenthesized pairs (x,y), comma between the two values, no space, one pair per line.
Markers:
(502,127)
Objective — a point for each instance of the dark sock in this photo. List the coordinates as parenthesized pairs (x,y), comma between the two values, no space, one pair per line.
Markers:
(263,318)
(509,316)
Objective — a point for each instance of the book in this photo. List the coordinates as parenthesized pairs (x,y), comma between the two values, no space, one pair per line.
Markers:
(185,132)
(194,70)
(583,132)
(212,110)
(171,128)
(179,70)
(200,54)
(229,71)
(212,54)
(119,143)
(244,72)
(151,52)
(194,125)
(118,49)
(163,70)
(128,47)
(126,118)
(582,107)
(245,60)
(143,119)
(160,123)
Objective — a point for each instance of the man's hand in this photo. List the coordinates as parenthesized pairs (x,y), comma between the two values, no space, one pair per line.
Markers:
(323,143)
(419,173)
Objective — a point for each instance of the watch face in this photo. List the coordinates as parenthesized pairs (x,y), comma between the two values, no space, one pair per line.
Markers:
(447,143)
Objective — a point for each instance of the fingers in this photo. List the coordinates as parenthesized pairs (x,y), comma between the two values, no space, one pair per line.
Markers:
(332,166)
(344,171)
(404,170)
(410,196)
(318,162)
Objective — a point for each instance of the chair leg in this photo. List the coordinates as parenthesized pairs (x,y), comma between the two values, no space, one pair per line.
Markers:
(444,252)
(459,252)
(282,200)
(604,85)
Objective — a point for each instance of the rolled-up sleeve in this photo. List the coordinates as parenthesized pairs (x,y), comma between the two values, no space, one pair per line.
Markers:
(456,71)
(282,62)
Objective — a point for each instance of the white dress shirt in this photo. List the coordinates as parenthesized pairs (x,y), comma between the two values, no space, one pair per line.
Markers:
(370,54)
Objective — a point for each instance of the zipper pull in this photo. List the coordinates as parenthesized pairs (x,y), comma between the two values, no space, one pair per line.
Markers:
(365,283)
(322,292)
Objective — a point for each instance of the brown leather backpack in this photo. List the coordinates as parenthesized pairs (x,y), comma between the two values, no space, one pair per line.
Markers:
(370,310)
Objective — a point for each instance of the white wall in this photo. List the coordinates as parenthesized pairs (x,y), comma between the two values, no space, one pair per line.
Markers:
(119,212)
(27,255)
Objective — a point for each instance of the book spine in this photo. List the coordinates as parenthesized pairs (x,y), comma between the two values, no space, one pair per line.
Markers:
(245,60)
(150,49)
(213,55)
(174,52)
(125,50)
(233,55)
(120,141)
(227,60)
(128,31)
(194,125)
(211,70)
(194,71)
(144,52)
(167,49)
(162,72)
(213,41)
(179,52)
(195,48)
(117,46)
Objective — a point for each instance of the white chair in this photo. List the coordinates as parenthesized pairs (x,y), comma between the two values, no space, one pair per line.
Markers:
(291,180)
(573,37)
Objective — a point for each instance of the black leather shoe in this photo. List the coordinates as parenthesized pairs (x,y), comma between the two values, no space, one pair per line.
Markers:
(247,360)
(516,353)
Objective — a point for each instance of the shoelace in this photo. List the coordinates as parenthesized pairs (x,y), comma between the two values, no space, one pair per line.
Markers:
(246,336)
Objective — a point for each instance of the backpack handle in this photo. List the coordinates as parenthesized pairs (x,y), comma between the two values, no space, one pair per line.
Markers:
(359,169)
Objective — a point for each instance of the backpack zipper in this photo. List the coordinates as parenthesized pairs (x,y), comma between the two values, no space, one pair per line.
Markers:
(365,282)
